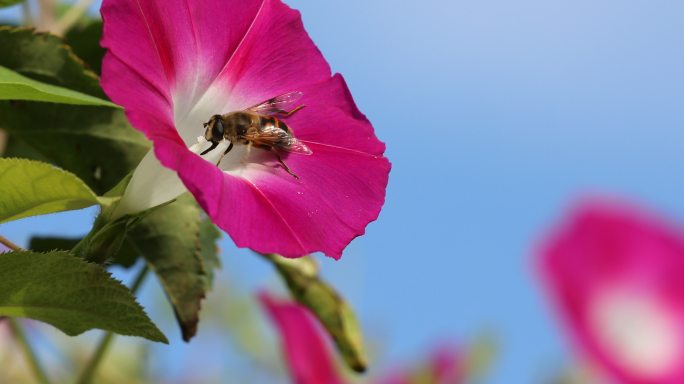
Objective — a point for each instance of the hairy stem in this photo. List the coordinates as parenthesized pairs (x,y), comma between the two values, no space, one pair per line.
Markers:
(106,341)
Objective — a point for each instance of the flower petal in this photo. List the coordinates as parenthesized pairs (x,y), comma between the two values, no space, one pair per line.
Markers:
(176,43)
(276,56)
(308,357)
(339,191)
(616,275)
(173,64)
(331,117)
(152,184)
(447,363)
(171,50)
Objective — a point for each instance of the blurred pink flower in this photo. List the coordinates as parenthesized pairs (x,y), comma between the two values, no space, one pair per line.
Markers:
(443,367)
(173,64)
(617,279)
(447,365)
(307,353)
(310,359)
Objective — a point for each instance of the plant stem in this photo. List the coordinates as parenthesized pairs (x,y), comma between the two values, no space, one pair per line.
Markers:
(31,356)
(139,279)
(106,341)
(46,15)
(72,16)
(89,372)
(4,241)
(3,141)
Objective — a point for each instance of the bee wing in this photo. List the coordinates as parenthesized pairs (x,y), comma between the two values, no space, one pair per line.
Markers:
(270,138)
(278,104)
(297,146)
(280,140)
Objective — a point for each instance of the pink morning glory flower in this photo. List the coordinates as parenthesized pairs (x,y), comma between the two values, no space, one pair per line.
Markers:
(616,275)
(307,353)
(174,64)
(310,359)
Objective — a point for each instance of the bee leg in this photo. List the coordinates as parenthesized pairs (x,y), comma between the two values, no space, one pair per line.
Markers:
(288,114)
(287,169)
(213,145)
(225,153)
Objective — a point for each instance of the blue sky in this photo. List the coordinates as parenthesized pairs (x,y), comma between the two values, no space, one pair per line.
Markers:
(496,114)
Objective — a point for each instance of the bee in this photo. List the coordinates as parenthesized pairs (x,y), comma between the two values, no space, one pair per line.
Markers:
(258,126)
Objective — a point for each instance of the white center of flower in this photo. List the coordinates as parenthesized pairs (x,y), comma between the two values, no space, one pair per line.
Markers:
(239,161)
(213,156)
(637,330)
(153,184)
(189,119)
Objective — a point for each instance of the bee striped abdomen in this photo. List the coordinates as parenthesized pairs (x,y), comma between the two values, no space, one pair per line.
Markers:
(270,122)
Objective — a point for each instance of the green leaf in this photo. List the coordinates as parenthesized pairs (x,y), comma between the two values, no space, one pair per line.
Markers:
(209,236)
(14,86)
(49,243)
(125,257)
(176,240)
(180,246)
(339,320)
(70,294)
(95,143)
(44,57)
(18,148)
(84,38)
(8,3)
(29,188)
(107,239)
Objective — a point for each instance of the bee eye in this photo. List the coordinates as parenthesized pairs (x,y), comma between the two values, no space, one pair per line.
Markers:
(217,130)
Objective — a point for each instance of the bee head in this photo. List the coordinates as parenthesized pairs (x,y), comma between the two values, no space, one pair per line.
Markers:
(214,129)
